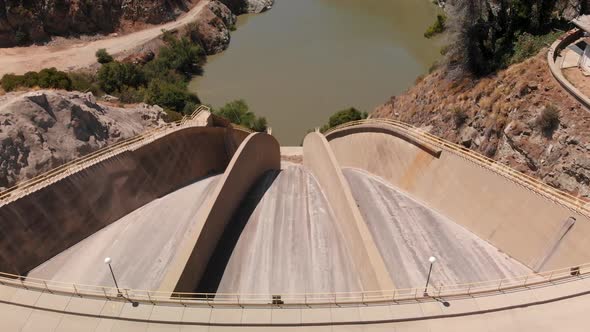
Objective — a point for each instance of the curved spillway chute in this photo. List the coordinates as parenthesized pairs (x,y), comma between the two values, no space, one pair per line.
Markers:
(500,205)
(258,154)
(46,215)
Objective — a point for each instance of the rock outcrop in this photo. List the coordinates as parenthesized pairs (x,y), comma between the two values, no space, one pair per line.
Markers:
(23,22)
(248,6)
(497,116)
(212,30)
(44,129)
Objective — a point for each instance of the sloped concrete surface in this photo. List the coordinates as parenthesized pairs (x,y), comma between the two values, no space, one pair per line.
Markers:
(140,244)
(286,241)
(408,233)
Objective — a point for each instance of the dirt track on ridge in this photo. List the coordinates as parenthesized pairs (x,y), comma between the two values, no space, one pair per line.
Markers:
(19,60)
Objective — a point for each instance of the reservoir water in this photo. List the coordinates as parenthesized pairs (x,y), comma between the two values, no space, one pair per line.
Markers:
(305,59)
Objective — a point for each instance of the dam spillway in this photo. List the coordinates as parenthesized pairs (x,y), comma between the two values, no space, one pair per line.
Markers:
(141,244)
(283,240)
(408,232)
(356,217)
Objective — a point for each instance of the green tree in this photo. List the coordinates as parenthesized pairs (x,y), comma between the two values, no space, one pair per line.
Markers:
(53,78)
(437,27)
(169,95)
(486,33)
(114,76)
(180,56)
(238,112)
(11,82)
(344,116)
(102,56)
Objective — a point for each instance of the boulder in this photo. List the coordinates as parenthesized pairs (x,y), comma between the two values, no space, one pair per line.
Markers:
(44,129)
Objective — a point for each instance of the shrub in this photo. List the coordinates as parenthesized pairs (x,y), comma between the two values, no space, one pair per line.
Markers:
(46,78)
(459,116)
(437,27)
(344,116)
(53,78)
(169,95)
(548,120)
(172,116)
(189,108)
(102,56)
(179,55)
(239,113)
(114,76)
(260,124)
(11,82)
(85,82)
(527,45)
(131,95)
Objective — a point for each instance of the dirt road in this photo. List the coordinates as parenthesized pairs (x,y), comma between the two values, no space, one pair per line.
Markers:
(19,60)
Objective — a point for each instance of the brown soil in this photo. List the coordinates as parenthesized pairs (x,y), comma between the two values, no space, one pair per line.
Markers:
(501,113)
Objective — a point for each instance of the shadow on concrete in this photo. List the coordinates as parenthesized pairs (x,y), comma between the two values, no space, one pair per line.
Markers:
(212,277)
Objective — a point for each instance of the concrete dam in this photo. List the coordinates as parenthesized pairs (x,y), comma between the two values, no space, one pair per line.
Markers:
(210,226)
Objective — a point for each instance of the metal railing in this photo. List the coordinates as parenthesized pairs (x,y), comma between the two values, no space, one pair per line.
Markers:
(571,202)
(337,298)
(28,186)
(475,289)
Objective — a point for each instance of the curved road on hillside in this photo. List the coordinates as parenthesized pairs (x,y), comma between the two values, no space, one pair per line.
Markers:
(19,60)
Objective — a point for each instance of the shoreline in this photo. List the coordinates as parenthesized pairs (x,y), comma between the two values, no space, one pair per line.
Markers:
(81,55)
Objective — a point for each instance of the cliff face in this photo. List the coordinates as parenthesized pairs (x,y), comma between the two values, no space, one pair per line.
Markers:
(23,22)
(248,6)
(498,116)
(212,30)
(44,129)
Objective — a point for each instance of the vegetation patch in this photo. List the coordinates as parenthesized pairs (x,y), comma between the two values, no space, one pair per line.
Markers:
(548,119)
(49,78)
(344,116)
(161,81)
(486,37)
(239,113)
(459,116)
(439,26)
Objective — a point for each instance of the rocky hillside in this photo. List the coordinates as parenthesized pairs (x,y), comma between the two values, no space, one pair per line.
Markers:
(501,117)
(44,129)
(22,22)
(212,30)
(248,6)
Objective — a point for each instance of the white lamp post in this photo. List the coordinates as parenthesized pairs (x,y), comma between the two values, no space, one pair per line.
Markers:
(108,261)
(432,259)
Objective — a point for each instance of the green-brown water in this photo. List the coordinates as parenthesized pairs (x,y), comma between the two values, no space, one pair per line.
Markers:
(306,59)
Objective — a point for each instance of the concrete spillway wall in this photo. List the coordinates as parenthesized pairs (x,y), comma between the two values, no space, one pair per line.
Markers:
(50,220)
(320,160)
(520,222)
(258,154)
